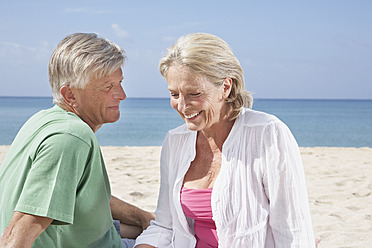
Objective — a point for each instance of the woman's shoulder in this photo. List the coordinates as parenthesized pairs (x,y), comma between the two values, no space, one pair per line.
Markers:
(180,135)
(252,118)
(180,130)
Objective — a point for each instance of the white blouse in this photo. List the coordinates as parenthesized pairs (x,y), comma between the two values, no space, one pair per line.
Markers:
(259,198)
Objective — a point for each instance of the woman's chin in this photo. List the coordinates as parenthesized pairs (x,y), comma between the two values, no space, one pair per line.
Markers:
(193,127)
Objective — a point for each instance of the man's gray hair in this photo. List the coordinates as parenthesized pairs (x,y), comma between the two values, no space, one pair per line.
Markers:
(80,57)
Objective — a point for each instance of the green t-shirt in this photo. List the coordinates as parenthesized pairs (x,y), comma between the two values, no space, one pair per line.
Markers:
(54,168)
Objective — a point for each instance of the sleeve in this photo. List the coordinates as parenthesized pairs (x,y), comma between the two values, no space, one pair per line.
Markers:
(51,184)
(285,187)
(160,232)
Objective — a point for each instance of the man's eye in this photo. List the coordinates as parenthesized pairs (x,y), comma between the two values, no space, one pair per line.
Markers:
(195,94)
(174,95)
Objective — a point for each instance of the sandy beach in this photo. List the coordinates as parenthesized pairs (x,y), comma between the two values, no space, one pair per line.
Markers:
(339,182)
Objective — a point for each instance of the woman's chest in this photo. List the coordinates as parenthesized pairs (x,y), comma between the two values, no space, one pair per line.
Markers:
(203,170)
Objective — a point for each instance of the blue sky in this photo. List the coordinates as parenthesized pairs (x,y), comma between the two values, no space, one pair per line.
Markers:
(288,49)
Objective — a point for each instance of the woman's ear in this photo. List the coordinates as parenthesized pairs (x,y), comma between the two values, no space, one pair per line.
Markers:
(227,86)
(68,95)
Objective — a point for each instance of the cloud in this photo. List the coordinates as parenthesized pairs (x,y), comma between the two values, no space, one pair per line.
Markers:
(347,41)
(11,49)
(17,54)
(182,26)
(169,39)
(120,32)
(82,10)
(78,10)
(362,43)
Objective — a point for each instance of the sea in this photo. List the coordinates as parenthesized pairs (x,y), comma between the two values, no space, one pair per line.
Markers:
(145,121)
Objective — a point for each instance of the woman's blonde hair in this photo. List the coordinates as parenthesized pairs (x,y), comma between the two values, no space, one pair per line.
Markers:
(208,55)
(80,57)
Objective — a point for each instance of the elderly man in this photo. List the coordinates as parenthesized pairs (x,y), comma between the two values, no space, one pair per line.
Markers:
(54,189)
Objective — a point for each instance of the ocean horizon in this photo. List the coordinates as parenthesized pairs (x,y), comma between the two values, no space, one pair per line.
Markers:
(145,121)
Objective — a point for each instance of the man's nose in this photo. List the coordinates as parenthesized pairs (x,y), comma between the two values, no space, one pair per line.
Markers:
(120,93)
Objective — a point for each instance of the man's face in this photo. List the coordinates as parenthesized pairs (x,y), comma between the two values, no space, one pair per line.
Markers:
(99,101)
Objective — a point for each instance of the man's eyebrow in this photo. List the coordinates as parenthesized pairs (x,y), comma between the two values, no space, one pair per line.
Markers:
(109,81)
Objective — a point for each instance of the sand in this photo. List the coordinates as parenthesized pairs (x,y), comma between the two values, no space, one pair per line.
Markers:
(339,182)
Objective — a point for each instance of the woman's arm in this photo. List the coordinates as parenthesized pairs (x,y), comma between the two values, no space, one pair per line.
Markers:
(159,233)
(285,186)
(23,229)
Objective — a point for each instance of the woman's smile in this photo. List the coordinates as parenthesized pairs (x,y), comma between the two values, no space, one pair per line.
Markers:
(192,116)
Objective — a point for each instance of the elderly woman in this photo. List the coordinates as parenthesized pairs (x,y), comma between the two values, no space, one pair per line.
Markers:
(230,176)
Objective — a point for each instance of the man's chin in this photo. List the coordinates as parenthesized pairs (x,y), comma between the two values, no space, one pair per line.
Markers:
(113,119)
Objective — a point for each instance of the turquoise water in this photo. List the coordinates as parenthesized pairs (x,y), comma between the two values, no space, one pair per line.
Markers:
(145,121)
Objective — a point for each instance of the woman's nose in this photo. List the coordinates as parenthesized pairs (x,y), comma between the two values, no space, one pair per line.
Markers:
(182,102)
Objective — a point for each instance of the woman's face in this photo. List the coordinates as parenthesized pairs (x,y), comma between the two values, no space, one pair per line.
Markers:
(199,102)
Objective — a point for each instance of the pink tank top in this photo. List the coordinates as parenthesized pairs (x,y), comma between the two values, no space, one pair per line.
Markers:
(196,204)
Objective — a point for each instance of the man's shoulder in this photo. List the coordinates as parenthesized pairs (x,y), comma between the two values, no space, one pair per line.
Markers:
(57,121)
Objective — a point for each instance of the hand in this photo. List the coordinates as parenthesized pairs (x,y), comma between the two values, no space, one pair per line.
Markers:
(144,246)
(317,241)
(147,217)
(129,214)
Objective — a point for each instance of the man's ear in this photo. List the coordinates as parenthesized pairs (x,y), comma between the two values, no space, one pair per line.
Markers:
(227,86)
(68,95)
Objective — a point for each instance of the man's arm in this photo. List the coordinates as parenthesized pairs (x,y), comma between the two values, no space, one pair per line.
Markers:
(23,229)
(130,215)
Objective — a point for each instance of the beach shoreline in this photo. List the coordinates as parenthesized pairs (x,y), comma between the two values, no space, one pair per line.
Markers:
(338,182)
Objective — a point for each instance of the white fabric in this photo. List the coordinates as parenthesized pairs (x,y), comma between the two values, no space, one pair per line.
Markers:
(259,198)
